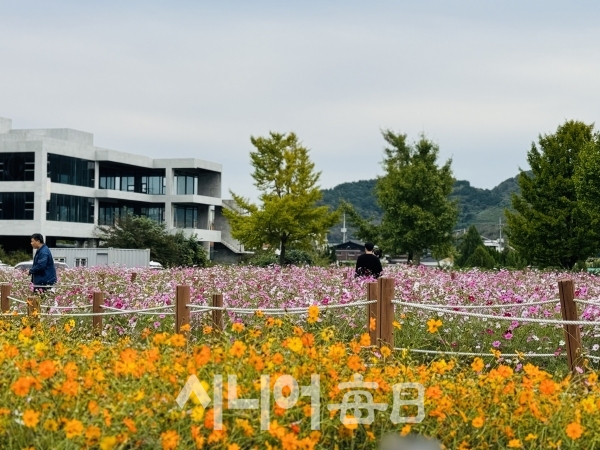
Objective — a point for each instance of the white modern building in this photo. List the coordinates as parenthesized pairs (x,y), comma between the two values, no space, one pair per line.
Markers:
(58,183)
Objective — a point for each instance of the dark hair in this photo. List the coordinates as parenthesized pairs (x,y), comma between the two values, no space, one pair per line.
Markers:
(369,246)
(38,237)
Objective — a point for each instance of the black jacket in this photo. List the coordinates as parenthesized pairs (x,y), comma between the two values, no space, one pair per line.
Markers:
(368,265)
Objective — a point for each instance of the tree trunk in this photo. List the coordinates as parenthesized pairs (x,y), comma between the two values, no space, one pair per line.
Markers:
(417,258)
(282,251)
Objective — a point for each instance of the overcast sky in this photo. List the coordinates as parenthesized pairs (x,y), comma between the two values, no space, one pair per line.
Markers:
(196,78)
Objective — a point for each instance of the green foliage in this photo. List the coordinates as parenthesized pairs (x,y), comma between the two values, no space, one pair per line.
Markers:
(587,174)
(292,258)
(289,216)
(551,227)
(481,258)
(413,195)
(13,258)
(171,250)
(469,243)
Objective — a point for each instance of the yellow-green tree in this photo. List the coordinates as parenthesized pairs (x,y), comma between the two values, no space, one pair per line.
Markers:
(288,215)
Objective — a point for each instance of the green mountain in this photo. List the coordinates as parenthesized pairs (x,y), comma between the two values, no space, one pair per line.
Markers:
(480,207)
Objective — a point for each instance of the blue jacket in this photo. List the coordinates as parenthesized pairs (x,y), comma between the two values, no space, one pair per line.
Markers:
(43,271)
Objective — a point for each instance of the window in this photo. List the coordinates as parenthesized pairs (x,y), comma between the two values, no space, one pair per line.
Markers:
(69,170)
(185,216)
(133,179)
(70,208)
(16,205)
(60,259)
(108,212)
(80,262)
(17,166)
(186,183)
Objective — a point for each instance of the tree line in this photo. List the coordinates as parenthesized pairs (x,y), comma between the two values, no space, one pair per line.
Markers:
(553,222)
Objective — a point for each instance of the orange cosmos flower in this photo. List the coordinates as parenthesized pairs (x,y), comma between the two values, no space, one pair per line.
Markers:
(477,365)
(365,339)
(169,439)
(73,428)
(313,314)
(238,349)
(47,369)
(547,387)
(237,327)
(574,430)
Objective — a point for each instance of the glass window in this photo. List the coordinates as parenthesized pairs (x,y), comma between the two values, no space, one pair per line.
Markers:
(185,216)
(68,170)
(80,262)
(16,205)
(109,212)
(17,166)
(70,208)
(133,179)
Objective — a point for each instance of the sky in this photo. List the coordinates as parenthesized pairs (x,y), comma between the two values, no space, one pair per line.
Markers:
(482,79)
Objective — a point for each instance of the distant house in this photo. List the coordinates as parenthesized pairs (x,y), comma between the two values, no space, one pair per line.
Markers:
(349,250)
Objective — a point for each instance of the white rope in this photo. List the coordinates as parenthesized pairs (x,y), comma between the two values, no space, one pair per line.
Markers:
(296,310)
(587,302)
(511,305)
(17,300)
(113,312)
(490,316)
(155,308)
(502,355)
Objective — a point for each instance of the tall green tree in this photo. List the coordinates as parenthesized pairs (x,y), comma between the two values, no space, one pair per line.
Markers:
(288,215)
(469,243)
(587,175)
(414,196)
(551,227)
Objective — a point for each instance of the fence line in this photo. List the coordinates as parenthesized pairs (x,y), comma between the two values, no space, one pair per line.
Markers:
(502,355)
(491,316)
(504,305)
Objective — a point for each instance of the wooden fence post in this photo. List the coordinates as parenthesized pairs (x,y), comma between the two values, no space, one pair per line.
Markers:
(97,309)
(33,309)
(182,312)
(4,300)
(372,311)
(217,314)
(133,276)
(386,310)
(568,309)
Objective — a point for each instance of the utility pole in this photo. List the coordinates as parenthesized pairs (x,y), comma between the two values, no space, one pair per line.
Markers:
(500,245)
(344,229)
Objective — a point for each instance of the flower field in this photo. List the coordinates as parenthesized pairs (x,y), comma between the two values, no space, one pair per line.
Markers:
(65,386)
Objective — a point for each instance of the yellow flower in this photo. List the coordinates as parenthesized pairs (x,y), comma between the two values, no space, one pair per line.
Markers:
(197,413)
(396,324)
(31,418)
(405,430)
(313,314)
(207,330)
(50,425)
(515,443)
(259,314)
(108,442)
(295,344)
(433,325)
(531,437)
(385,351)
(574,430)
(478,422)
(185,327)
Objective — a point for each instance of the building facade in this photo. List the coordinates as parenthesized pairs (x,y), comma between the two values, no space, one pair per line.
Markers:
(58,183)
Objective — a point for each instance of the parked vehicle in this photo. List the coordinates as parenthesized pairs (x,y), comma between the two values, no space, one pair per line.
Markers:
(26,265)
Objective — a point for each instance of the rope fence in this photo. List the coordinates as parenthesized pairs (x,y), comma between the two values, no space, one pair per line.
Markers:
(380,308)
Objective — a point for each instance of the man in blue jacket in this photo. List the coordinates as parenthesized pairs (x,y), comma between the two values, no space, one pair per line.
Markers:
(42,272)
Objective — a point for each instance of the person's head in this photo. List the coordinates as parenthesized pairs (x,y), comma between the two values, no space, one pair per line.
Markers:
(369,246)
(37,240)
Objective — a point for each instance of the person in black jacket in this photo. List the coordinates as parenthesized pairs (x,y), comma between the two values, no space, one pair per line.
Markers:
(42,272)
(368,264)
